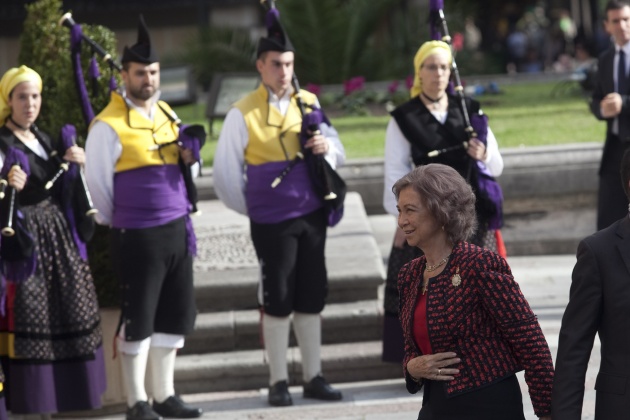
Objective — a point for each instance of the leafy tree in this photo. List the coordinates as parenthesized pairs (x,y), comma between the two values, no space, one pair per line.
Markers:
(332,37)
(45,47)
(219,50)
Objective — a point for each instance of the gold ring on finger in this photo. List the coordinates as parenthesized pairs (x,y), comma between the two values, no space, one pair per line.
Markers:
(439,372)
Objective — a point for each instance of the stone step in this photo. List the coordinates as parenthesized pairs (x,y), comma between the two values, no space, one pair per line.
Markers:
(226,267)
(544,280)
(240,330)
(342,362)
(247,369)
(547,226)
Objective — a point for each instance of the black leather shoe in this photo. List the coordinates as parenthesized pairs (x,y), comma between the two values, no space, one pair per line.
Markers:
(175,407)
(142,411)
(279,394)
(319,389)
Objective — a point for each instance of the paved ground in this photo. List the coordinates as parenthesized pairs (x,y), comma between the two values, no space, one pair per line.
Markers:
(545,281)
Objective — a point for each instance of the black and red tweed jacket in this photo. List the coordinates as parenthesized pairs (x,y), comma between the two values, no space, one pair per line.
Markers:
(485,320)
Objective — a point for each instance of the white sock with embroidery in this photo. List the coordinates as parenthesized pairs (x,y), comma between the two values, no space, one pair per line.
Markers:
(276,338)
(134,367)
(162,365)
(308,331)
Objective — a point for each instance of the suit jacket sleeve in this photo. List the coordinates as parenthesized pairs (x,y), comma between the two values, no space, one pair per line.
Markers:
(577,333)
(604,84)
(604,77)
(504,301)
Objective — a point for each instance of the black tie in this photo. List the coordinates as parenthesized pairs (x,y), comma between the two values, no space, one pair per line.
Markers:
(622,78)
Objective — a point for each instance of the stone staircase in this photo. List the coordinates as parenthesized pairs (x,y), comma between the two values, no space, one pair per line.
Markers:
(224,352)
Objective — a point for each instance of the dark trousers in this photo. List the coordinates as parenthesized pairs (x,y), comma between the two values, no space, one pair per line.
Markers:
(156,278)
(293,266)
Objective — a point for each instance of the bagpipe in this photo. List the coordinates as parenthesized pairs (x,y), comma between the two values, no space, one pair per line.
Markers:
(75,192)
(77,37)
(476,124)
(437,22)
(14,158)
(327,182)
(192,137)
(17,248)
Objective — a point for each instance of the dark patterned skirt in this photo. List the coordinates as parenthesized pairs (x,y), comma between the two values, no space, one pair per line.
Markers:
(393,344)
(50,336)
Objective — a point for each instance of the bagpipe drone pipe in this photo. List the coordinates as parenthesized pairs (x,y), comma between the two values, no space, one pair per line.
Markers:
(476,126)
(75,194)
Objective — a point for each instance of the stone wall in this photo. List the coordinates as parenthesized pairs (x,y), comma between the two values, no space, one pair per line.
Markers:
(533,177)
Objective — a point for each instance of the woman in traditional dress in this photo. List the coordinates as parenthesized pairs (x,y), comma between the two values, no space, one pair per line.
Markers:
(50,338)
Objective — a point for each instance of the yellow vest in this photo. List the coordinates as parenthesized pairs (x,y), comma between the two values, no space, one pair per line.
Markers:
(268,129)
(138,134)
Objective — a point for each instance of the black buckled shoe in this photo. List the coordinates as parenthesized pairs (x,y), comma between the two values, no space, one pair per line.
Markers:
(319,389)
(142,411)
(175,407)
(279,395)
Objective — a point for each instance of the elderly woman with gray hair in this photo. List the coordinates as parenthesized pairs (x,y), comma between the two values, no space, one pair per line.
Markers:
(467,327)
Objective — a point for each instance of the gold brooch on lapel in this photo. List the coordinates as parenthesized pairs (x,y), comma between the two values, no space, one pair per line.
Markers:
(456,279)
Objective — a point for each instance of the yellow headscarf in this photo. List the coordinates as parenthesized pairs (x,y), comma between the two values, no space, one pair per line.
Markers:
(427,49)
(10,80)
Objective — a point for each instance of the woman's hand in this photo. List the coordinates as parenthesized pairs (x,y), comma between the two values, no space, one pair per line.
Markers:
(75,154)
(17,178)
(434,366)
(476,149)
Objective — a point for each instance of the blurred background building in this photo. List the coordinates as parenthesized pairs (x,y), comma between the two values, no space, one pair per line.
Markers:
(499,35)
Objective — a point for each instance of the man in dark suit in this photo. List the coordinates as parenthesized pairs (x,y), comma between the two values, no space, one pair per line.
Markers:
(599,303)
(611,102)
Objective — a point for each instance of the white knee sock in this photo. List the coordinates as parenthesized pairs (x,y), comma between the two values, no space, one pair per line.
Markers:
(162,365)
(133,369)
(308,331)
(276,338)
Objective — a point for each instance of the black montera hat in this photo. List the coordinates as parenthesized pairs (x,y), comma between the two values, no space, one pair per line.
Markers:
(141,51)
(276,39)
